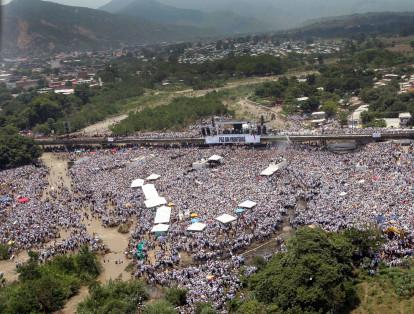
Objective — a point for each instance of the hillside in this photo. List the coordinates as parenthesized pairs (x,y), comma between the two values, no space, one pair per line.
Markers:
(384,23)
(285,14)
(34,26)
(152,10)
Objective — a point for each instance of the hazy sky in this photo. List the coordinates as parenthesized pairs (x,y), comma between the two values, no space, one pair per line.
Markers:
(81,3)
(325,6)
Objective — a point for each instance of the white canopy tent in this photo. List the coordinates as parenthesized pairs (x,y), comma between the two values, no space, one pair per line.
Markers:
(247,204)
(153,177)
(226,219)
(150,191)
(160,228)
(163,215)
(155,202)
(273,168)
(137,183)
(216,158)
(197,227)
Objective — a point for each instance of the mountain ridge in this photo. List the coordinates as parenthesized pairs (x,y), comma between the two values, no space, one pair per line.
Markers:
(354,25)
(35,26)
(226,21)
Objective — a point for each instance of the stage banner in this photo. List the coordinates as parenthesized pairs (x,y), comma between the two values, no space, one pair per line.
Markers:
(233,139)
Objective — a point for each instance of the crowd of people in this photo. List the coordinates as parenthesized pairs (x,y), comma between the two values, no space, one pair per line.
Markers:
(373,186)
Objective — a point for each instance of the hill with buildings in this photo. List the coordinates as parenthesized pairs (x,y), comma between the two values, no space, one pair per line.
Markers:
(226,21)
(34,26)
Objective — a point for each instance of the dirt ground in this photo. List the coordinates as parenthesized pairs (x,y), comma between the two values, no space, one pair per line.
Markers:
(247,109)
(113,263)
(102,128)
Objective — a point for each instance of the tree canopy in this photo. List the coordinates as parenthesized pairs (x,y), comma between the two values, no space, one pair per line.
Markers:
(16,150)
(315,275)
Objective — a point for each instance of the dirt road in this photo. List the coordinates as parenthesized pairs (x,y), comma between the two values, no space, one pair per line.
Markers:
(247,109)
(102,128)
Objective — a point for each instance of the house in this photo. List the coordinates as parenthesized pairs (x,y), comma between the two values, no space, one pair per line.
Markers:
(355,119)
(405,118)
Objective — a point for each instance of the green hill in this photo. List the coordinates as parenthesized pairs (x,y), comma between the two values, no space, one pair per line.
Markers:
(221,21)
(383,23)
(34,26)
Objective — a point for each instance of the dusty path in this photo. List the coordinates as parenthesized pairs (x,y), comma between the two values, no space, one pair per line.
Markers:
(116,242)
(102,127)
(247,109)
(8,268)
(113,263)
(58,176)
(58,170)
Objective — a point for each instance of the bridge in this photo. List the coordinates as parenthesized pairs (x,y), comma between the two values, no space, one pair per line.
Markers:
(268,139)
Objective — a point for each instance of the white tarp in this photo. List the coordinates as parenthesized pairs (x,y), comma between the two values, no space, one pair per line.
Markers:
(155,202)
(272,169)
(150,191)
(163,215)
(137,183)
(247,204)
(215,158)
(153,177)
(226,218)
(160,228)
(197,227)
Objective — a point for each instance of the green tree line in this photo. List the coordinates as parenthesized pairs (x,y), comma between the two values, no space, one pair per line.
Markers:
(44,288)
(179,113)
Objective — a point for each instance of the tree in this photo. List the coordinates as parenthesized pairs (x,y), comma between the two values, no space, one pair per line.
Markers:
(252,307)
(330,107)
(310,105)
(44,288)
(87,263)
(313,276)
(30,270)
(176,296)
(204,308)
(343,118)
(159,307)
(412,44)
(311,79)
(16,150)
(114,297)
(4,252)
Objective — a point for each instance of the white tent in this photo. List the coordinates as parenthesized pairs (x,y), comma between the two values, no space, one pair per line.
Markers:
(216,158)
(163,215)
(155,202)
(160,228)
(153,177)
(343,194)
(150,191)
(247,204)
(197,227)
(137,183)
(226,219)
(273,168)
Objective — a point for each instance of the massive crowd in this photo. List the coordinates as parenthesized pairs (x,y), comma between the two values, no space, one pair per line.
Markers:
(373,186)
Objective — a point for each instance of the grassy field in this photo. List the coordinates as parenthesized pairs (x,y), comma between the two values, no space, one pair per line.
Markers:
(378,294)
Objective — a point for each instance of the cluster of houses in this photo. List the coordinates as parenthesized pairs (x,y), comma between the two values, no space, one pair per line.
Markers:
(60,73)
(212,51)
(407,85)
(386,80)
